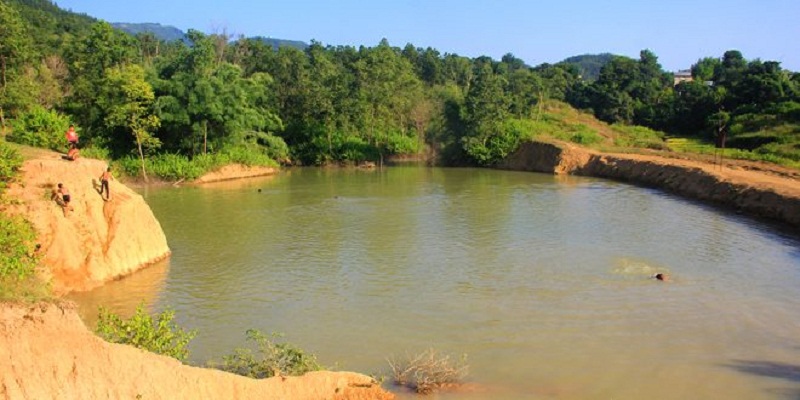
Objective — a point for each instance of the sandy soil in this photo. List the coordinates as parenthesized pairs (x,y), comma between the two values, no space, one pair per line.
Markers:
(235,171)
(47,353)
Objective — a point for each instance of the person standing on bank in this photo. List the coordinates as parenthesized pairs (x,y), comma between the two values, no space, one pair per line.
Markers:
(104,178)
(72,137)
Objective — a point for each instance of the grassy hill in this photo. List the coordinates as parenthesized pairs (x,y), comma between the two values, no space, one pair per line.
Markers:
(560,121)
(49,25)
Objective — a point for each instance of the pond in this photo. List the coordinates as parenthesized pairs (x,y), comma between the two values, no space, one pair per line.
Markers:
(544,282)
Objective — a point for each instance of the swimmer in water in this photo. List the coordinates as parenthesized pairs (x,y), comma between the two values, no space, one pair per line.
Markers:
(662,277)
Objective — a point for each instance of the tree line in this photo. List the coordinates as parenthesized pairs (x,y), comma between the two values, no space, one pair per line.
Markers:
(139,97)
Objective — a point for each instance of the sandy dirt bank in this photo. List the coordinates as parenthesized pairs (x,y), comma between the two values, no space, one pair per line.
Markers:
(98,240)
(47,353)
(235,171)
(757,189)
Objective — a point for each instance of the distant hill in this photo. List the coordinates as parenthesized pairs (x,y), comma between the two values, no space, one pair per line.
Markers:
(49,25)
(589,64)
(166,33)
(170,33)
(275,43)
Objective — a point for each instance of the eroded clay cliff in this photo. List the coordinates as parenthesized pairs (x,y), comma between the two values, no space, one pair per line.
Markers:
(99,240)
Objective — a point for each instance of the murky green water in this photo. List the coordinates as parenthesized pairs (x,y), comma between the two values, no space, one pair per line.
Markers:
(542,281)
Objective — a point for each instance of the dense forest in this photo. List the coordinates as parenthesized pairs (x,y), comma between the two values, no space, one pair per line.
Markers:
(177,107)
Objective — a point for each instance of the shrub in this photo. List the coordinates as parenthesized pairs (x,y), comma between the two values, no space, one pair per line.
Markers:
(271,358)
(525,129)
(244,155)
(18,248)
(428,371)
(397,143)
(18,257)
(99,153)
(40,128)
(157,334)
(10,163)
(173,167)
(638,136)
(585,138)
(275,147)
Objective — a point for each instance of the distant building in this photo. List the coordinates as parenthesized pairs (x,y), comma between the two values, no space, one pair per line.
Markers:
(684,75)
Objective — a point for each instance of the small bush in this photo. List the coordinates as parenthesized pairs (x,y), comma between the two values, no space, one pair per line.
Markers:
(10,163)
(274,147)
(585,137)
(157,334)
(173,167)
(397,143)
(638,136)
(40,128)
(245,155)
(99,153)
(18,256)
(270,358)
(428,371)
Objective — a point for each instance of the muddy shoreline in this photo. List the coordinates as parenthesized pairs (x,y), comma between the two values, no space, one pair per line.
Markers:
(773,194)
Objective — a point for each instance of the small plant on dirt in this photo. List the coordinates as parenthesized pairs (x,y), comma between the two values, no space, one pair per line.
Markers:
(270,358)
(157,334)
(428,371)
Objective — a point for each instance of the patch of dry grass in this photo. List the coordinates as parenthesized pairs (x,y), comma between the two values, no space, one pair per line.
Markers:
(428,371)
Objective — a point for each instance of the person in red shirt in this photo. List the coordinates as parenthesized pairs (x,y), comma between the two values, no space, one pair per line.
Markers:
(72,137)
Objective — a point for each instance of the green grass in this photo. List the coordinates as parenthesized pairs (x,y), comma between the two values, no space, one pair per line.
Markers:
(761,138)
(175,167)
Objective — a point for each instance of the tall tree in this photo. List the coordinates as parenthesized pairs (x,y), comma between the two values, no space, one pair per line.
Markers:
(128,102)
(88,60)
(485,109)
(15,46)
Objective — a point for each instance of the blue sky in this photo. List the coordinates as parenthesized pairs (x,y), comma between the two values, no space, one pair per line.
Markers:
(679,32)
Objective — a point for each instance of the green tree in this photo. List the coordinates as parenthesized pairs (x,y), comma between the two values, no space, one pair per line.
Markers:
(129,105)
(15,45)
(485,109)
(387,87)
(88,60)
(705,69)
(524,88)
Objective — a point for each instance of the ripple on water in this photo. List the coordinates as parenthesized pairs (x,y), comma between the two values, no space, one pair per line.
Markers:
(543,281)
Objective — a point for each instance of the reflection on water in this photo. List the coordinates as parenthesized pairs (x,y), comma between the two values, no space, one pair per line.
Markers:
(543,281)
(124,295)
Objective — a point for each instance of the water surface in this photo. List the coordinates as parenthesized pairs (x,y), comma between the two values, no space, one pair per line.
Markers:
(544,282)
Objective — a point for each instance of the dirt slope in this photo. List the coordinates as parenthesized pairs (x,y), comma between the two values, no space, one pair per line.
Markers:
(752,188)
(47,353)
(100,240)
